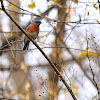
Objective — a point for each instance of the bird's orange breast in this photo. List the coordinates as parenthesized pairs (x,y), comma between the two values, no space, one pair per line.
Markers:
(33,31)
(33,28)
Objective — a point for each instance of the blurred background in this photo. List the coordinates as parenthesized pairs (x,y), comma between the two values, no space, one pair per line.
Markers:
(69,35)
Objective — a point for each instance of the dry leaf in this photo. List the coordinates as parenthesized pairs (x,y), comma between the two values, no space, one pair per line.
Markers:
(50,5)
(10,7)
(98,21)
(46,35)
(96,7)
(84,54)
(67,23)
(75,1)
(31,5)
(86,49)
(88,14)
(11,35)
(55,0)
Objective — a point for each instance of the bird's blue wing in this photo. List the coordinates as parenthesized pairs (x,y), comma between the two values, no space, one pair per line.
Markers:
(27,28)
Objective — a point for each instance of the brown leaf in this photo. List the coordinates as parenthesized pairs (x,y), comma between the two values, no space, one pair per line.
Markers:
(88,14)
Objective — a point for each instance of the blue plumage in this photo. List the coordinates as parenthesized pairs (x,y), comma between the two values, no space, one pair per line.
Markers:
(37,22)
(27,28)
(26,44)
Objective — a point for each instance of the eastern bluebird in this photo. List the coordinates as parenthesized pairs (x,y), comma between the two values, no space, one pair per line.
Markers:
(33,31)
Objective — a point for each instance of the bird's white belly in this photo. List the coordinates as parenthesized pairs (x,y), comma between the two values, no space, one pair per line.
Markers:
(33,35)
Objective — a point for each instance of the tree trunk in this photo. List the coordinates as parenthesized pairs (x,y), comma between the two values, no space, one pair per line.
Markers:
(56,54)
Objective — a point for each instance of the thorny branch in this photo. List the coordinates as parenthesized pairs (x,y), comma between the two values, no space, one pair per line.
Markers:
(91,66)
(50,62)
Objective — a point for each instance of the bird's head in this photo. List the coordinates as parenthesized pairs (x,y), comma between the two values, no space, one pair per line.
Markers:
(37,22)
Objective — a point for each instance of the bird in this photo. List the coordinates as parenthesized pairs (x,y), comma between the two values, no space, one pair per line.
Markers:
(33,31)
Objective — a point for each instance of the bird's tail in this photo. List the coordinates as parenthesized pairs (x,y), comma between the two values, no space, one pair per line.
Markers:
(26,45)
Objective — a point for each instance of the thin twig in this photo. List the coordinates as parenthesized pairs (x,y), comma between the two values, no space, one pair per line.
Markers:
(91,66)
(49,19)
(10,47)
(11,69)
